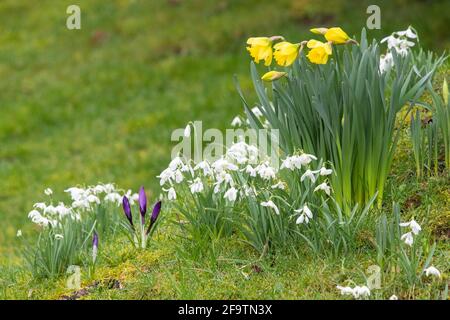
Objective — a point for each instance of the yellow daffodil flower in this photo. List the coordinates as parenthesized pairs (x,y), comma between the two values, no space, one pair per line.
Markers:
(319,51)
(260,49)
(321,31)
(273,75)
(285,53)
(336,35)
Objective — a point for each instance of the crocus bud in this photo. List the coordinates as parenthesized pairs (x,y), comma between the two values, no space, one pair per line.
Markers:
(94,246)
(142,204)
(155,214)
(127,209)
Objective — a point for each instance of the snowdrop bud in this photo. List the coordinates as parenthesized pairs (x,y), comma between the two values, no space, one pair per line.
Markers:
(171,194)
(432,271)
(48,191)
(231,194)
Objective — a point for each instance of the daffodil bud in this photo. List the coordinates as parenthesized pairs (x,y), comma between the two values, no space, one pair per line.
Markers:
(321,31)
(273,75)
(445,92)
(336,35)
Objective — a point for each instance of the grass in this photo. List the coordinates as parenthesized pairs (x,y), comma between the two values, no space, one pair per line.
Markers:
(99,104)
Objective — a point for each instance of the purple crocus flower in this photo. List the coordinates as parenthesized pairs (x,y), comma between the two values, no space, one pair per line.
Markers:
(94,246)
(127,210)
(142,204)
(155,214)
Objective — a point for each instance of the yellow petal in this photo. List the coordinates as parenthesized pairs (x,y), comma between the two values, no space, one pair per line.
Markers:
(336,35)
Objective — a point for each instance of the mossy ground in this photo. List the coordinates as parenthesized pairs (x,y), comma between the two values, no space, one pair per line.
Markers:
(99,104)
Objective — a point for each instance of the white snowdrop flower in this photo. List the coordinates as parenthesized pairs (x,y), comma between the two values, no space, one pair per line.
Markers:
(252,153)
(222,164)
(265,171)
(50,210)
(305,215)
(178,176)
(257,112)
(231,194)
(345,290)
(75,193)
(325,172)
(166,176)
(113,197)
(409,33)
(361,292)
(310,175)
(93,199)
(176,163)
(251,171)
(432,271)
(48,191)
(393,297)
(324,187)
(279,185)
(196,186)
(386,62)
(59,236)
(109,188)
(415,227)
(407,238)
(237,122)
(19,233)
(62,210)
(40,206)
(187,131)
(171,194)
(270,204)
(99,189)
(305,158)
(82,204)
(205,167)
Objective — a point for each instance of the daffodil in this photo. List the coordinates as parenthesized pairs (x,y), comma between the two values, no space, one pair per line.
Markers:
(260,49)
(319,51)
(336,35)
(321,31)
(285,53)
(273,75)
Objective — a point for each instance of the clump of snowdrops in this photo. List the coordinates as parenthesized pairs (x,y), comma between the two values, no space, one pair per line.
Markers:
(69,232)
(269,207)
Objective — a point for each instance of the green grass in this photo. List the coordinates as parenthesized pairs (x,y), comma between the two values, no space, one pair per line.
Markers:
(99,105)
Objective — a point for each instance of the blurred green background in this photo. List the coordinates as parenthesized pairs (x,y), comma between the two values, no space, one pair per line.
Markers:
(99,104)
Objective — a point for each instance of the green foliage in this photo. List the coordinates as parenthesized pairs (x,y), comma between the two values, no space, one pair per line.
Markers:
(345,112)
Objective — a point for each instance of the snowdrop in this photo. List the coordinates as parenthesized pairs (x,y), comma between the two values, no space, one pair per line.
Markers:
(171,194)
(393,297)
(270,204)
(305,215)
(19,233)
(231,194)
(279,185)
(310,175)
(407,238)
(205,167)
(196,186)
(257,112)
(432,271)
(357,292)
(59,236)
(415,227)
(324,187)
(325,172)
(48,191)
(265,171)
(251,171)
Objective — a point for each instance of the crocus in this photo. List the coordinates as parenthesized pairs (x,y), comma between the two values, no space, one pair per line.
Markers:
(94,246)
(142,204)
(155,214)
(127,210)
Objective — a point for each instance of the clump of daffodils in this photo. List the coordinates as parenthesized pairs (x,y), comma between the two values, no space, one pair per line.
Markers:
(285,53)
(401,42)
